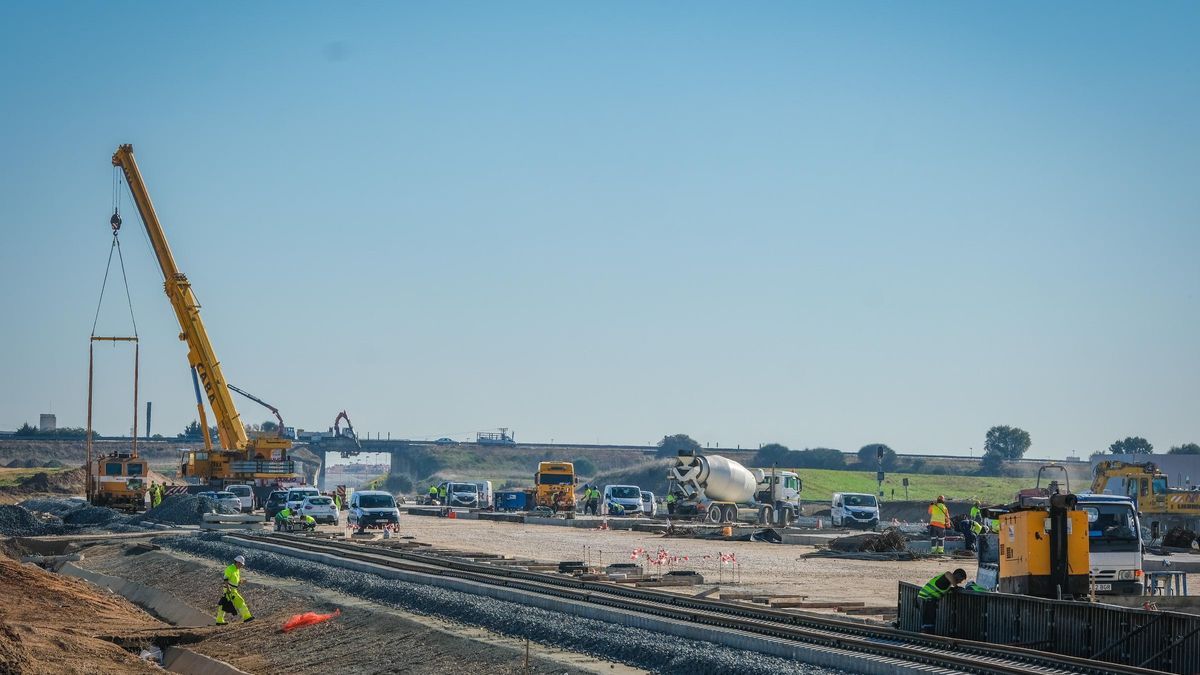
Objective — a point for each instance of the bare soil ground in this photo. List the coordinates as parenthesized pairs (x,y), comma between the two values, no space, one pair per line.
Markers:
(50,624)
(366,638)
(774,568)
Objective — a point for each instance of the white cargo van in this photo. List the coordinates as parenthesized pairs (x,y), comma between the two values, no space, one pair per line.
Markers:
(854,509)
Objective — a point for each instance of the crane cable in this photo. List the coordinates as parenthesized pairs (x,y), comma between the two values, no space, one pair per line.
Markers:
(115,222)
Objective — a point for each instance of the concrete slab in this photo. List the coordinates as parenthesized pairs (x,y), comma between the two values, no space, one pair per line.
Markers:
(161,604)
(181,660)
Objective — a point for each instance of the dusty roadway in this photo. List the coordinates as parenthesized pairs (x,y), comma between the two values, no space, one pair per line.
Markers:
(776,568)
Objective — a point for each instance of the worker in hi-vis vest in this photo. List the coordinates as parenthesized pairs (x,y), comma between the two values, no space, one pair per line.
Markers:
(231,597)
(931,593)
(939,520)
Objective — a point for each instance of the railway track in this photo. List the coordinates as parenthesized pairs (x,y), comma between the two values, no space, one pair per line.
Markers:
(868,640)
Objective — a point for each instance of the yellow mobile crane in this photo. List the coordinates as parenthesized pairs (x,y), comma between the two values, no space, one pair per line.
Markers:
(261,461)
(1162,506)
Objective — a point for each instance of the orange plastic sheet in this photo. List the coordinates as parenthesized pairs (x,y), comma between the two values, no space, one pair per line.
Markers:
(308,619)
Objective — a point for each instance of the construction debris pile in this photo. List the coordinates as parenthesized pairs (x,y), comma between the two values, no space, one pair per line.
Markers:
(890,540)
(1180,537)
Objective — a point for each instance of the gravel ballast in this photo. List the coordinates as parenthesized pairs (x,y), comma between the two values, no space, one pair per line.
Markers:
(182,510)
(640,648)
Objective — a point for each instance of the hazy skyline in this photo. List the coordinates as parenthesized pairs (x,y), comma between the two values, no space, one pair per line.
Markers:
(780,222)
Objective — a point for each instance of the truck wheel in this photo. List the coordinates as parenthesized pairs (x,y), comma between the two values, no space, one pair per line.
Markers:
(731,514)
(714,514)
(765,515)
(786,516)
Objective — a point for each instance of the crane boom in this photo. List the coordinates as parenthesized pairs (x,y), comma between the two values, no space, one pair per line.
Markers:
(262,460)
(201,356)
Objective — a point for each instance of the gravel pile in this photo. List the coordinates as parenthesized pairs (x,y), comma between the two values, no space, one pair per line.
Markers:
(182,510)
(55,507)
(640,648)
(92,516)
(16,521)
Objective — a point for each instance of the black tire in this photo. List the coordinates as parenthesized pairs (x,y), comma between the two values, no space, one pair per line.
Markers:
(766,515)
(731,514)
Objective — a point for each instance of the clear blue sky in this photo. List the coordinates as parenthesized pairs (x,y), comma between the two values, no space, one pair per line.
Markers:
(822,225)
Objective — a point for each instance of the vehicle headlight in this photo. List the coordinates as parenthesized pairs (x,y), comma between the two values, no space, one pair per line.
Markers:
(1125,575)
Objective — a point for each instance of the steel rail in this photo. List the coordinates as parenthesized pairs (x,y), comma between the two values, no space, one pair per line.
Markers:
(965,655)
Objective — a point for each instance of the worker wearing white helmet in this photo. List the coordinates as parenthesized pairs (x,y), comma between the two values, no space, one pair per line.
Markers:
(231,597)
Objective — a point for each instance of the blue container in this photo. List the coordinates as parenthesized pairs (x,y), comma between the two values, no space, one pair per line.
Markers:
(511,500)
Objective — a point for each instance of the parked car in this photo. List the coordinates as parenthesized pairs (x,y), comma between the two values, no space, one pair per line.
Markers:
(275,503)
(245,493)
(296,495)
(372,508)
(647,502)
(462,494)
(223,498)
(321,508)
(444,441)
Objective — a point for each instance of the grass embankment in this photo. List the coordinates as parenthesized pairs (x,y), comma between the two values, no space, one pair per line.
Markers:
(820,484)
(13,477)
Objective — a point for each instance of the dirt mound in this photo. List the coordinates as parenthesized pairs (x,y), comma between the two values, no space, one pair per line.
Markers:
(182,510)
(14,657)
(889,540)
(1179,537)
(66,482)
(51,624)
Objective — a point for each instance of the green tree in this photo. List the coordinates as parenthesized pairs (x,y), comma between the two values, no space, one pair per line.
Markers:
(868,456)
(772,454)
(1006,442)
(1131,445)
(1185,449)
(27,429)
(269,426)
(398,483)
(670,446)
(192,430)
(818,458)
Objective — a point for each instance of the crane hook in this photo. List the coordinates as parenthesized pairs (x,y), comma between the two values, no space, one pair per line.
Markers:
(115,221)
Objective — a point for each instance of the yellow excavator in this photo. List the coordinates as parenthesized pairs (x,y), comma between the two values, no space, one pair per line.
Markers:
(261,461)
(1162,507)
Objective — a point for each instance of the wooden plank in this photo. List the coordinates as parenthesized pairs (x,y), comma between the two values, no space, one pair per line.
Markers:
(827,604)
(738,595)
(707,593)
(880,609)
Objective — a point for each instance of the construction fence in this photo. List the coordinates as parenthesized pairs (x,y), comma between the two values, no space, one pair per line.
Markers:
(1166,641)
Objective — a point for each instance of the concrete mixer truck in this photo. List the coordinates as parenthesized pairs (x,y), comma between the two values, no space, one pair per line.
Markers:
(716,489)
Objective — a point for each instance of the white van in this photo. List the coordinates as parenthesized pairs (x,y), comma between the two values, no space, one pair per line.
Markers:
(485,493)
(622,499)
(854,509)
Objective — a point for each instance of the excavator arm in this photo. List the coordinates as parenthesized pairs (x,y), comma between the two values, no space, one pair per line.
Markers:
(201,356)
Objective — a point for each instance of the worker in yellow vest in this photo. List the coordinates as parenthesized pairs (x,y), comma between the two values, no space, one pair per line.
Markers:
(231,598)
(931,594)
(939,520)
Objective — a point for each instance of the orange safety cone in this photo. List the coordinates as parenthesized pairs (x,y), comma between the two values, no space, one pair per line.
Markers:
(452,514)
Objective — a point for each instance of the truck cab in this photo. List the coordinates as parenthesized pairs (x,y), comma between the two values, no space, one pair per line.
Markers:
(854,509)
(1114,544)
(555,486)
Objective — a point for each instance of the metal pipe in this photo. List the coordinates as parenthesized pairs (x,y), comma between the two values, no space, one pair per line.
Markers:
(136,359)
(91,360)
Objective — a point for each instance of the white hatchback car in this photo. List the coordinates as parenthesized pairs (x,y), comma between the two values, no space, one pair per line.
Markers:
(296,496)
(224,499)
(321,508)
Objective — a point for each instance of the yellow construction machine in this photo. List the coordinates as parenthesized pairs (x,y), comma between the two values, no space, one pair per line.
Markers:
(1162,507)
(261,461)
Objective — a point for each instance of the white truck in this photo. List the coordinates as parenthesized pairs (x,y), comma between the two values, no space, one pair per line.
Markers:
(717,489)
